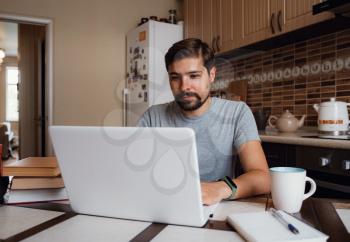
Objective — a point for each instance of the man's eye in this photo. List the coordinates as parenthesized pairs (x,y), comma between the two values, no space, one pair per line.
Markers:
(174,78)
(194,76)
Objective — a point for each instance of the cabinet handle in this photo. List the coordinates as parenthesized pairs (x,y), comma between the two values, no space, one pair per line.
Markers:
(217,43)
(213,45)
(324,161)
(279,20)
(271,23)
(346,165)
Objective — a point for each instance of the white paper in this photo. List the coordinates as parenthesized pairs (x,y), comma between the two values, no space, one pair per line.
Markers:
(344,215)
(173,233)
(262,226)
(14,220)
(91,229)
(36,195)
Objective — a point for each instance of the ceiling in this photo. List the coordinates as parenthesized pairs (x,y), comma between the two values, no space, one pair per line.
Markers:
(9,38)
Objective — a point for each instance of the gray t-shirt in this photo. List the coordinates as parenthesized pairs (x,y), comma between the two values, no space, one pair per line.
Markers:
(219,132)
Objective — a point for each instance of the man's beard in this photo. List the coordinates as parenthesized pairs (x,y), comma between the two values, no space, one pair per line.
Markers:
(189,105)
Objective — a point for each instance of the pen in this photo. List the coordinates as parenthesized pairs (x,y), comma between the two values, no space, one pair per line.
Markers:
(279,217)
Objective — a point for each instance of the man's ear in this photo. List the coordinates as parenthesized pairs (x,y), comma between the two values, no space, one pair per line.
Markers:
(212,74)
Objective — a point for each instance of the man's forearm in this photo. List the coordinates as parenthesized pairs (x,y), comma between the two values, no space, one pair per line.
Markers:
(252,183)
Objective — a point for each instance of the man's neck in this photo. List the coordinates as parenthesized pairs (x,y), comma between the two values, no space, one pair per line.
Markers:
(200,111)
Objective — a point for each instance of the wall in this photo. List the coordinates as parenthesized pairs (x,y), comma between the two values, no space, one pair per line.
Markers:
(89,52)
(293,77)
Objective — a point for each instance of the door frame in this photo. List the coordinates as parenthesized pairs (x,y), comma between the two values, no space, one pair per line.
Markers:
(49,64)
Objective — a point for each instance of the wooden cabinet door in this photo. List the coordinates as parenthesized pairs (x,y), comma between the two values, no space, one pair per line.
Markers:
(230,13)
(228,24)
(298,13)
(216,25)
(193,18)
(211,22)
(258,20)
(201,20)
(279,154)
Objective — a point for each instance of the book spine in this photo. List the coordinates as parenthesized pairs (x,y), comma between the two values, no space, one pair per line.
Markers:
(30,172)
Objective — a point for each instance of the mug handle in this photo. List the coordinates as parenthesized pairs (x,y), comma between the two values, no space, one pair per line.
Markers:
(312,189)
(272,117)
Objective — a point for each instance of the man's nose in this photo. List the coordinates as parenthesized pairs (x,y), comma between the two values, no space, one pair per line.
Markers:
(185,84)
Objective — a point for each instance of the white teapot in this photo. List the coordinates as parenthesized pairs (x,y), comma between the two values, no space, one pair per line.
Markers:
(287,122)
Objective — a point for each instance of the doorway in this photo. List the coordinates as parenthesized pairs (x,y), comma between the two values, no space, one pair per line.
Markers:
(34,86)
(31,90)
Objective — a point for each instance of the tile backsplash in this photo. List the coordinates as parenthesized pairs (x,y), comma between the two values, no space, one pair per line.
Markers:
(292,77)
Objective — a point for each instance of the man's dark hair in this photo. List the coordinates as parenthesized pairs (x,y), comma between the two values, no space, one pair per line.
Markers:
(190,48)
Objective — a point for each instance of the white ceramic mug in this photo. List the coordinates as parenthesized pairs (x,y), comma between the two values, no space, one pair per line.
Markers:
(288,187)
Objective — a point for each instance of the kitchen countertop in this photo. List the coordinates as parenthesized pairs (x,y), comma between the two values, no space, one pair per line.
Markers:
(298,138)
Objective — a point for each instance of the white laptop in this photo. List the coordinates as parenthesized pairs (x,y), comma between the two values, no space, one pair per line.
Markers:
(148,174)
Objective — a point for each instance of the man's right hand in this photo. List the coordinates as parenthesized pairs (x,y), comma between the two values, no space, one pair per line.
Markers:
(214,192)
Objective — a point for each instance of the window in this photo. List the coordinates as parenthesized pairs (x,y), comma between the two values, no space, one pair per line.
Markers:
(11,93)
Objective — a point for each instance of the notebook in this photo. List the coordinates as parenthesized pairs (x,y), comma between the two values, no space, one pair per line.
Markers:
(262,226)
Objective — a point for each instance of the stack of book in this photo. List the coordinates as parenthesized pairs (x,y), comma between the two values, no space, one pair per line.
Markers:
(35,179)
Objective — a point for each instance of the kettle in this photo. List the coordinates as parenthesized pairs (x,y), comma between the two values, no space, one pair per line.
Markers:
(333,117)
(287,122)
(261,117)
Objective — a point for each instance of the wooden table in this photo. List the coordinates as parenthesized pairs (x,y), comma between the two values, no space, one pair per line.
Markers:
(320,213)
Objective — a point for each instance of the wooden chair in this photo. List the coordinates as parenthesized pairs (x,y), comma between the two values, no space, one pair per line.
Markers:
(4,140)
(0,160)
(4,180)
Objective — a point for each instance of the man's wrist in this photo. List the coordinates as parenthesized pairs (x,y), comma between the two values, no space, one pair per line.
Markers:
(230,186)
(225,191)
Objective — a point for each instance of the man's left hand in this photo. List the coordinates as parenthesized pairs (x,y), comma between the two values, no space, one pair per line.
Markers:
(214,192)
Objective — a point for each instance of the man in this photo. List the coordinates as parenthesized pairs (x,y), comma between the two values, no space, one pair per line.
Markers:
(223,128)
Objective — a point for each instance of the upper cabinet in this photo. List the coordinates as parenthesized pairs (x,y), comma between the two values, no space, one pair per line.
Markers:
(298,13)
(213,21)
(258,20)
(200,19)
(193,18)
(228,24)
(230,12)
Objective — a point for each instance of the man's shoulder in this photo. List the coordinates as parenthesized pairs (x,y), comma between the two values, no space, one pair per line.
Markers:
(229,109)
(228,104)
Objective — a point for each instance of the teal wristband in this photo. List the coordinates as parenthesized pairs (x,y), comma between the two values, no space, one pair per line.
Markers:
(231,185)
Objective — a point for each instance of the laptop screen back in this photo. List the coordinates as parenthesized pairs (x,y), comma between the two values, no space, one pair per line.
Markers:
(148,174)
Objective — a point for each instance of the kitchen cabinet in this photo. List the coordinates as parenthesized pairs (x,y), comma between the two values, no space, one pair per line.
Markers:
(216,22)
(228,24)
(258,20)
(296,14)
(231,14)
(279,154)
(211,23)
(263,19)
(201,20)
(193,18)
(328,167)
